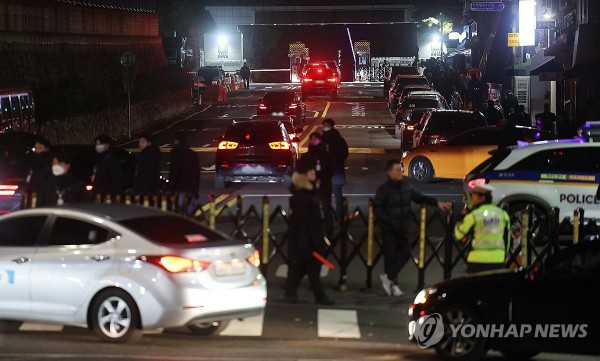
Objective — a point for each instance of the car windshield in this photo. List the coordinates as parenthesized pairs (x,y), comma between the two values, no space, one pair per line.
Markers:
(171,230)
(254,133)
(420,103)
(279,97)
(208,74)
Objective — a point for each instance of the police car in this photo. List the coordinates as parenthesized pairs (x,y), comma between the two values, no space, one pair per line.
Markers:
(561,173)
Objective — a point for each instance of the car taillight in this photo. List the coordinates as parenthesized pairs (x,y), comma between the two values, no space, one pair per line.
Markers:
(307,79)
(410,127)
(8,190)
(471,184)
(254,259)
(175,264)
(227,145)
(279,145)
(332,79)
(293,106)
(262,106)
(89,188)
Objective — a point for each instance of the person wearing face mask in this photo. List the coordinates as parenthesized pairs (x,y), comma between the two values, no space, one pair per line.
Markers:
(147,178)
(62,187)
(322,161)
(336,145)
(108,175)
(40,168)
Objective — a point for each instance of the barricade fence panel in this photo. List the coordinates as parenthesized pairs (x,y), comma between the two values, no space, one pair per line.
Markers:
(355,239)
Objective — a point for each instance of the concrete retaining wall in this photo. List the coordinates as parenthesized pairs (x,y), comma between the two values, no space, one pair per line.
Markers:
(114,122)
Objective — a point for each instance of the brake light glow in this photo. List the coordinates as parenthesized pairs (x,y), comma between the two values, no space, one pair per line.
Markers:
(227,145)
(262,106)
(320,70)
(175,264)
(307,79)
(410,127)
(332,79)
(254,259)
(8,190)
(279,145)
(293,106)
(471,184)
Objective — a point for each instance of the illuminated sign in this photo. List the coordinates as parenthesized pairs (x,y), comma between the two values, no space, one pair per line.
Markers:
(527,22)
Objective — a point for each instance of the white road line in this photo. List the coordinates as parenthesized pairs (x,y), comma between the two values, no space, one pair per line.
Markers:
(35,326)
(250,326)
(338,323)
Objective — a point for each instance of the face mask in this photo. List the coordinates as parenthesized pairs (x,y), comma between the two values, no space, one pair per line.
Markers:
(57,170)
(326,129)
(99,148)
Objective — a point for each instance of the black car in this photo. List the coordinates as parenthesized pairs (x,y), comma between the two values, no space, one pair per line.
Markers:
(410,112)
(207,75)
(437,126)
(283,103)
(401,81)
(558,299)
(395,71)
(255,151)
(319,80)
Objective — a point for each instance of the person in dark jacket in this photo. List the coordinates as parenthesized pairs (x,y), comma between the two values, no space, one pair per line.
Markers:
(337,146)
(108,174)
(40,168)
(306,230)
(184,171)
(492,114)
(147,179)
(62,187)
(245,75)
(322,161)
(392,208)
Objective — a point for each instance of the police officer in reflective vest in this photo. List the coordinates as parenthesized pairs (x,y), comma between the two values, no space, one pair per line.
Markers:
(489,228)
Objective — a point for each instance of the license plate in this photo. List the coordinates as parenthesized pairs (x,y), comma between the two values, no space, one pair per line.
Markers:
(320,82)
(278,113)
(253,169)
(234,268)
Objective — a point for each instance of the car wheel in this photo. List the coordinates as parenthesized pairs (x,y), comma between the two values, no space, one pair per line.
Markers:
(10,326)
(538,224)
(115,317)
(421,170)
(460,348)
(220,182)
(207,328)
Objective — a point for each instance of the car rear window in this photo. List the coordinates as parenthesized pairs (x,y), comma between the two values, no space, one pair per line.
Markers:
(411,80)
(319,73)
(171,230)
(420,103)
(279,97)
(253,133)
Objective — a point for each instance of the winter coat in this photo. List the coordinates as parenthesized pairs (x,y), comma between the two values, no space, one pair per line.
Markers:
(40,171)
(245,72)
(392,204)
(108,174)
(321,160)
(337,146)
(147,179)
(306,224)
(72,190)
(184,170)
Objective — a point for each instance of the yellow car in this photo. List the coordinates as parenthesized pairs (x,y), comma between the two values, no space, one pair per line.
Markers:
(462,153)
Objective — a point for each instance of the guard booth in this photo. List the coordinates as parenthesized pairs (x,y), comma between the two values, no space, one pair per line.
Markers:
(298,54)
(362,59)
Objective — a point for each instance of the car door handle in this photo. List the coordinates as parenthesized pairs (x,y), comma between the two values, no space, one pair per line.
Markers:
(21,260)
(100,258)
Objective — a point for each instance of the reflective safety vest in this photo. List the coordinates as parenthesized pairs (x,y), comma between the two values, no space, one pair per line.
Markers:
(490,226)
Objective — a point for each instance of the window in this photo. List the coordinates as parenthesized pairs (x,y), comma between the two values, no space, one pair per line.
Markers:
(21,231)
(68,231)
(580,159)
(171,230)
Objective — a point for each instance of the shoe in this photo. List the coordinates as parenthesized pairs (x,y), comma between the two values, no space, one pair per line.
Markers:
(386,283)
(326,302)
(396,291)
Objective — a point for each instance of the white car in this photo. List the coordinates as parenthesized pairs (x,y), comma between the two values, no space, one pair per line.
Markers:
(120,269)
(562,173)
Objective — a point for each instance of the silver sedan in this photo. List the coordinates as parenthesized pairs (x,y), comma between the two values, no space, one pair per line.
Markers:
(120,269)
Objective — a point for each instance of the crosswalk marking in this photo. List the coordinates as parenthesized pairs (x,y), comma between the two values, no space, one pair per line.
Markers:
(338,323)
(35,326)
(250,326)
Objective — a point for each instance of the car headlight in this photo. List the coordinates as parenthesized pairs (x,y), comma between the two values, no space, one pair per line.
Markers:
(423,296)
